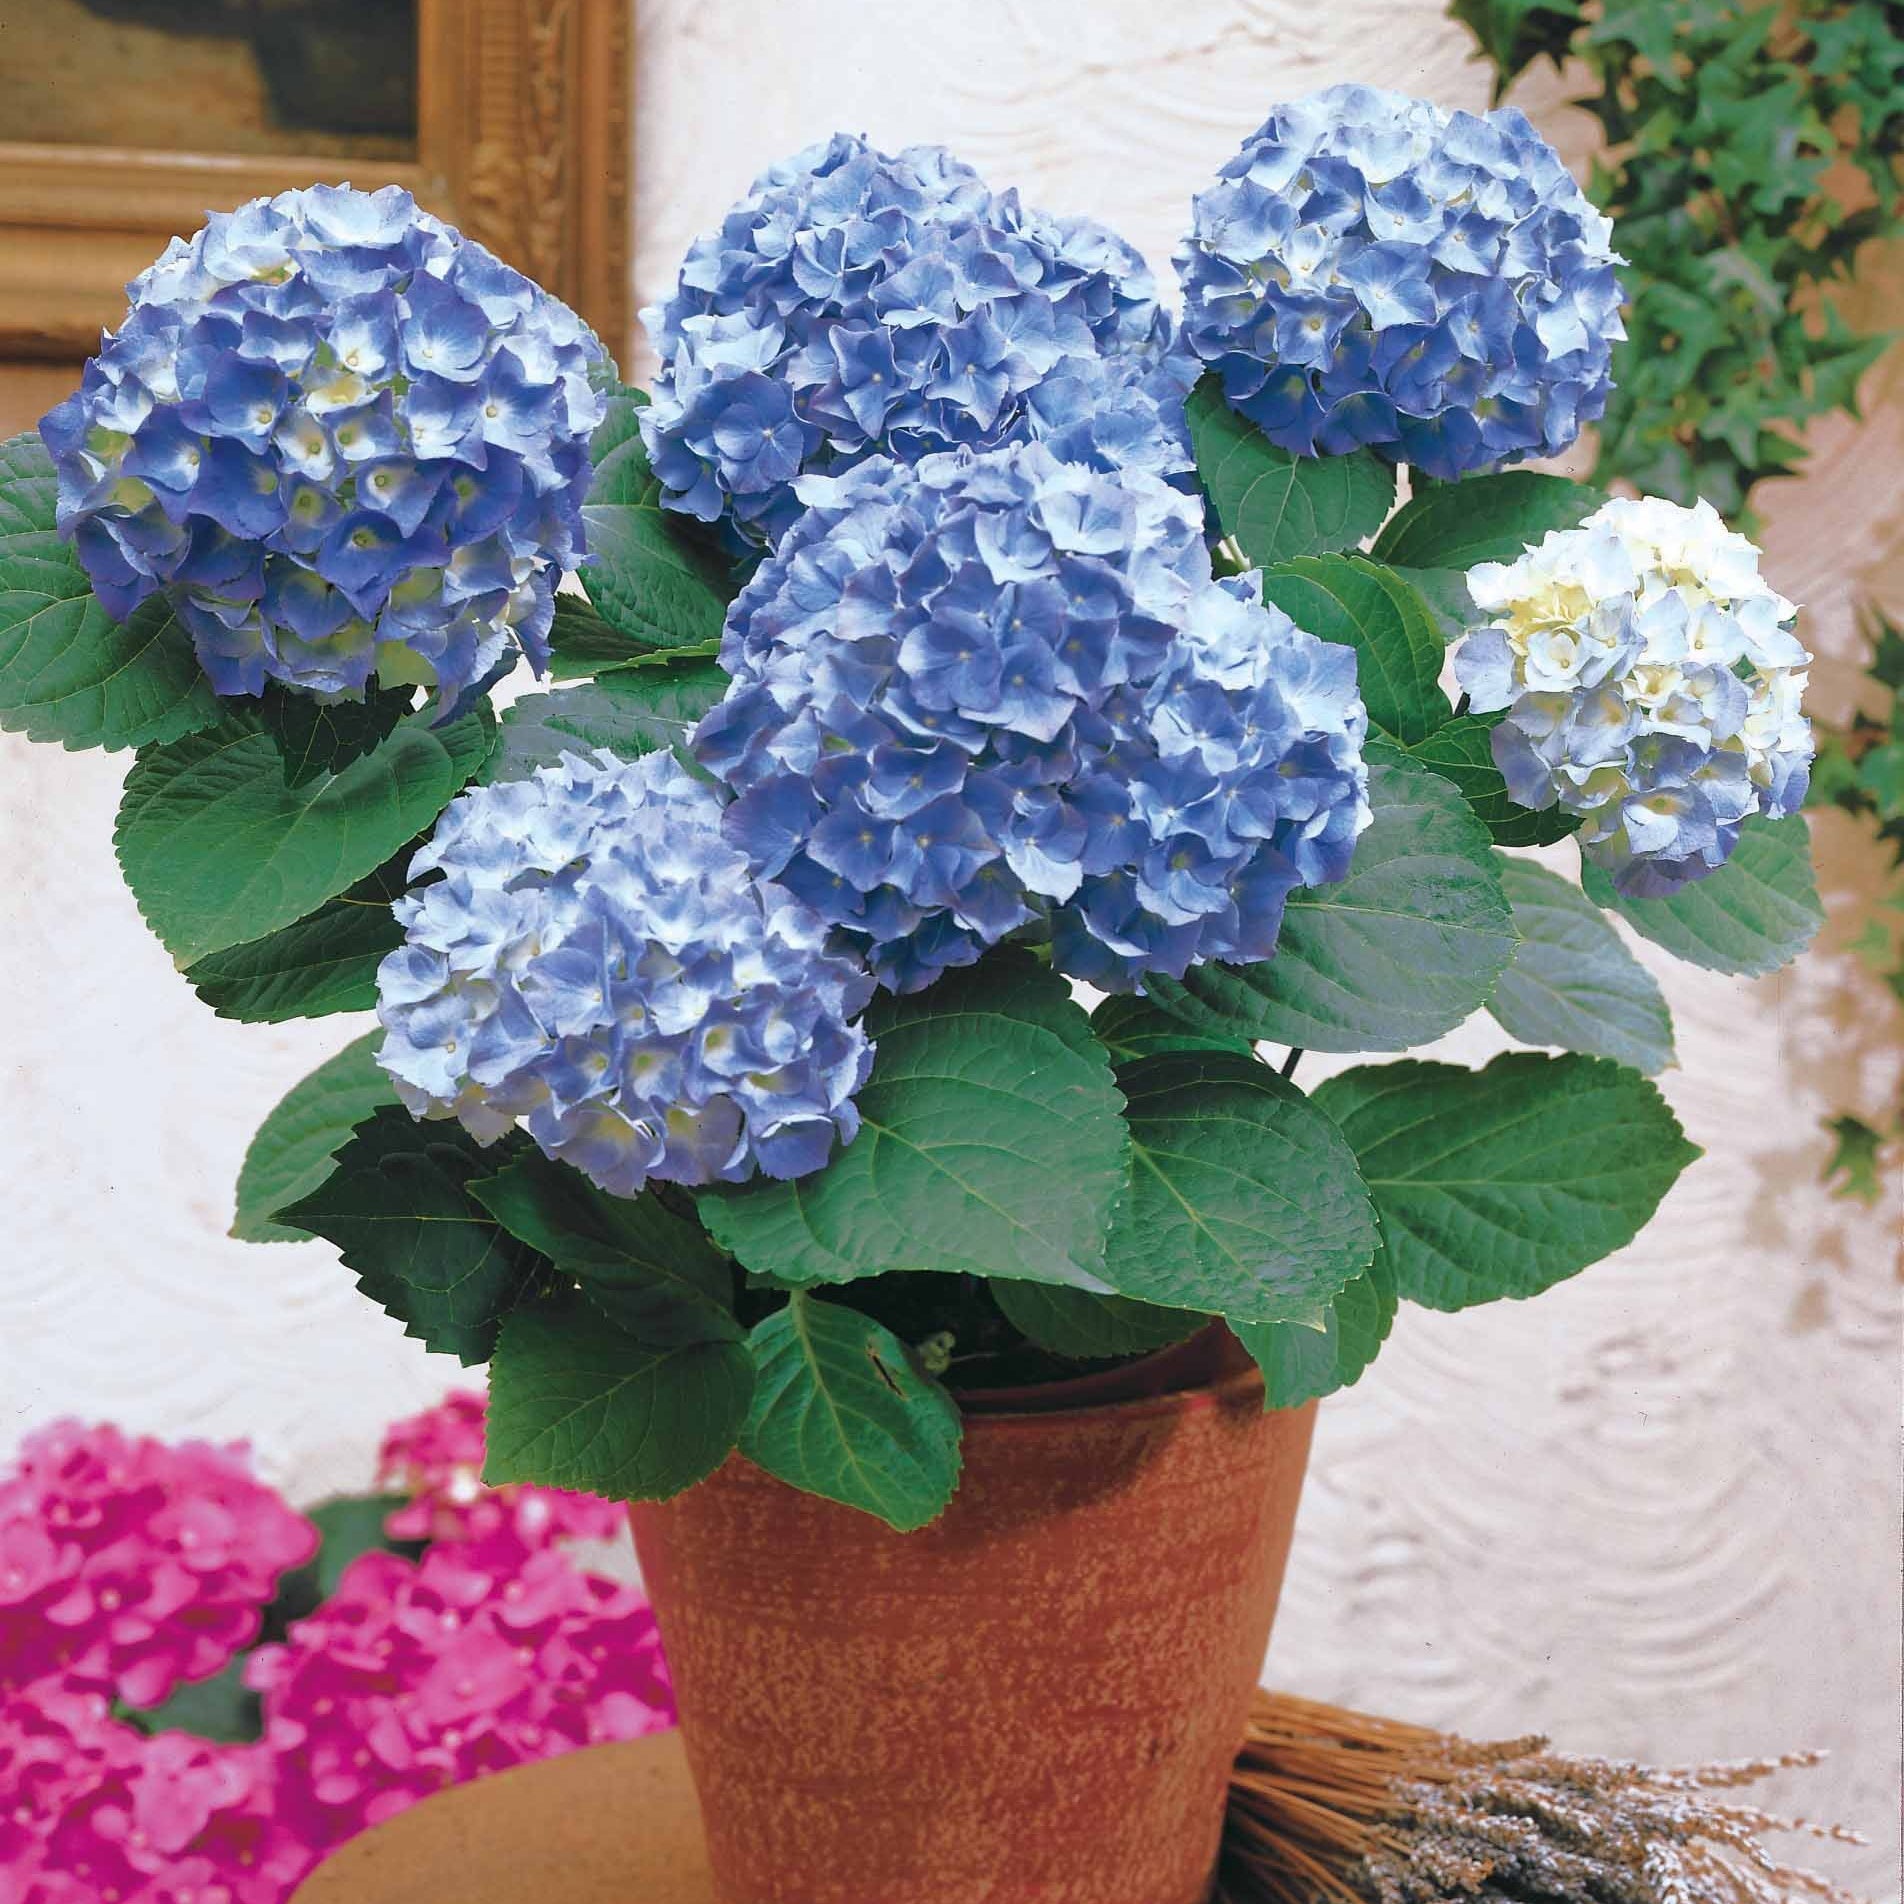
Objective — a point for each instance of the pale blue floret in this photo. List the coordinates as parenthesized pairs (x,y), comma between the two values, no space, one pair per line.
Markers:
(857,302)
(342,440)
(1649,683)
(596,964)
(997,690)
(1373,270)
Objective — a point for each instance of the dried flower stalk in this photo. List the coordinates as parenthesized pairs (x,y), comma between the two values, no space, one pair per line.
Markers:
(1328,1804)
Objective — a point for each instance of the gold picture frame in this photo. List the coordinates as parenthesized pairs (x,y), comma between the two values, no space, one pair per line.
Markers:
(523,120)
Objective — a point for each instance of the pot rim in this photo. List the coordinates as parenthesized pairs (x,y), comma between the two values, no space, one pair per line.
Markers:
(1215,1388)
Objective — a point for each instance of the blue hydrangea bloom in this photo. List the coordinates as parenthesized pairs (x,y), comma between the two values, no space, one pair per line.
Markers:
(856,302)
(596,965)
(998,688)
(1372,269)
(1652,684)
(343,440)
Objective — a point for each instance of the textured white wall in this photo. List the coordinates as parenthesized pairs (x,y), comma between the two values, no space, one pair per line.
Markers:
(1655,1513)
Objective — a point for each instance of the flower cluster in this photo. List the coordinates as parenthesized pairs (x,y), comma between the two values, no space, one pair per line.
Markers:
(1652,685)
(855,302)
(1371,269)
(416,1676)
(343,440)
(436,1460)
(97,1813)
(597,964)
(998,687)
(127,1566)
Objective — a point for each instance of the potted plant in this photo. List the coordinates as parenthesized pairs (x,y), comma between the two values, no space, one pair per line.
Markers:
(822,1053)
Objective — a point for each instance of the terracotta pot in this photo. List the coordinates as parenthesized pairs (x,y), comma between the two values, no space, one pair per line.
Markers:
(1036,1698)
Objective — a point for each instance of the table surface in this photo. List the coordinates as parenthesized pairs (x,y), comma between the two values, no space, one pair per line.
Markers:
(616,1824)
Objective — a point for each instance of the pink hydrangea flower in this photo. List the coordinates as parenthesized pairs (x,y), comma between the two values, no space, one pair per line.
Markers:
(415,1676)
(127,1566)
(437,1458)
(96,1813)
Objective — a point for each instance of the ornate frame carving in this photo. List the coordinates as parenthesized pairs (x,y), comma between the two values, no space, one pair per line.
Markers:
(522,141)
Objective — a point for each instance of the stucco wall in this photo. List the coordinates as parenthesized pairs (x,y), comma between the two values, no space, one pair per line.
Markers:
(1655,1513)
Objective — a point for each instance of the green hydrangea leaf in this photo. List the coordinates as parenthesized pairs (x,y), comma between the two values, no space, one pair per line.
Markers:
(1244,1200)
(1491,518)
(1573,983)
(398,1205)
(1090,1328)
(1504,1181)
(649,575)
(348,1527)
(841,1410)
(316,737)
(1462,750)
(581,643)
(631,712)
(647,1270)
(222,1708)
(992,1144)
(219,850)
(1753,915)
(1131,1027)
(323,963)
(621,423)
(1302,1364)
(575,1402)
(69,672)
(1398,647)
(1277,506)
(296,1147)
(1397,954)
(1445,593)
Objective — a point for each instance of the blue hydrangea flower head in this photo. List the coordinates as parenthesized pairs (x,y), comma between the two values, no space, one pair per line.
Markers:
(998,689)
(855,301)
(342,440)
(1372,269)
(596,965)
(1652,684)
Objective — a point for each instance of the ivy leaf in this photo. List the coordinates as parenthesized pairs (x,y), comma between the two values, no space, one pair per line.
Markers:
(1244,1200)
(575,1402)
(325,962)
(1395,955)
(1492,518)
(1398,647)
(991,1145)
(321,737)
(1505,1181)
(1278,506)
(1090,1328)
(219,850)
(648,1271)
(648,575)
(1856,1148)
(841,1410)
(398,1205)
(631,712)
(1755,913)
(1462,750)
(69,672)
(1573,983)
(1301,1364)
(1131,1027)
(1514,33)
(296,1146)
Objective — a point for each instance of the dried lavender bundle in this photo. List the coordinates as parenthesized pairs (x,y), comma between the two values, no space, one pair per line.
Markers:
(1327,1803)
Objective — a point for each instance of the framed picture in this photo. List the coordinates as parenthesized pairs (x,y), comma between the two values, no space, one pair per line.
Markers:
(126,120)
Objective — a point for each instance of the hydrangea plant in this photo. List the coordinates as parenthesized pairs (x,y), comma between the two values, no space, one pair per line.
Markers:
(880,968)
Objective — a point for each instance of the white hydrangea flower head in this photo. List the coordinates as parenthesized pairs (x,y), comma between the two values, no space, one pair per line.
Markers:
(1652,684)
